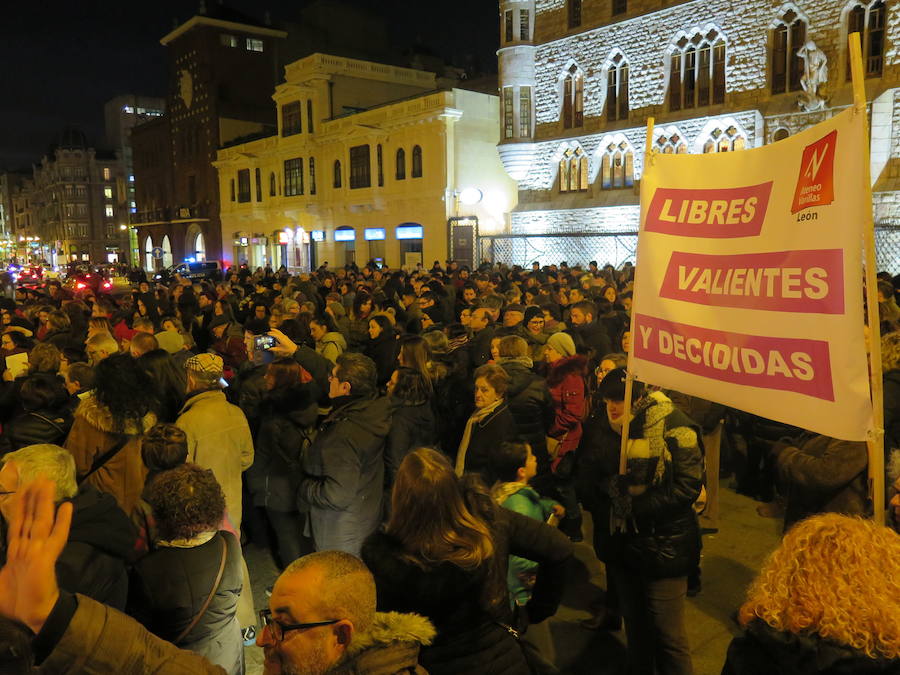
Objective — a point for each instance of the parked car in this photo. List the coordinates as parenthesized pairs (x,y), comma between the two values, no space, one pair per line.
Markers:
(208,269)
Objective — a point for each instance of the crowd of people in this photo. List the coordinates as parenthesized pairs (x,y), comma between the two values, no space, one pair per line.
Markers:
(416,448)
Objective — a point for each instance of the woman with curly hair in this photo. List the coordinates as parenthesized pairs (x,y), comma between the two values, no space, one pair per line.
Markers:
(109,423)
(186,590)
(826,601)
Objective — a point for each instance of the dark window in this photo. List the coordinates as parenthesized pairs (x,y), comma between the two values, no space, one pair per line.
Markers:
(573,99)
(192,189)
(617,89)
(417,162)
(787,66)
(675,83)
(293,177)
(258,185)
(291,120)
(619,7)
(508,25)
(312,175)
(507,112)
(337,173)
(524,32)
(525,111)
(243,178)
(309,116)
(401,164)
(874,44)
(360,167)
(380,163)
(272,184)
(574,13)
(697,74)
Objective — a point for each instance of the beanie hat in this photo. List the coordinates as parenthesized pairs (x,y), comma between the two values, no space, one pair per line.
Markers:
(533,313)
(562,343)
(613,386)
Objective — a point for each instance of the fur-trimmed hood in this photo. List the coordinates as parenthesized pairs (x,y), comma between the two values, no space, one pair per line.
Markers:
(98,415)
(389,647)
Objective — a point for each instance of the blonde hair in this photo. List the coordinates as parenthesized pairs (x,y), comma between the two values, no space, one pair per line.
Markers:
(890,351)
(837,577)
(429,516)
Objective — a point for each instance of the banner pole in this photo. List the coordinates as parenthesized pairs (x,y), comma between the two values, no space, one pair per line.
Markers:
(875,440)
(629,377)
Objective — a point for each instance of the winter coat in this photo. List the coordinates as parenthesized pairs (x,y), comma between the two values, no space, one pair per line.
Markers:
(412,426)
(480,347)
(286,415)
(662,538)
(89,638)
(343,474)
(247,391)
(218,438)
(565,378)
(452,400)
(531,407)
(891,381)
(62,339)
(821,474)
(487,434)
(358,332)
(331,346)
(93,433)
(467,607)
(318,366)
(593,337)
(100,544)
(762,649)
(383,351)
(232,350)
(171,584)
(36,427)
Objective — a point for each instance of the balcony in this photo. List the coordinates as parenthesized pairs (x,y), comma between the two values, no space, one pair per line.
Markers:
(167,215)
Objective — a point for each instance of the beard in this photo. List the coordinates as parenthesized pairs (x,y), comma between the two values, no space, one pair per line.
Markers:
(315,662)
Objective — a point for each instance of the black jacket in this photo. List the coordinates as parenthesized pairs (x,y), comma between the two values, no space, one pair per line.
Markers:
(531,406)
(466,605)
(762,649)
(891,381)
(101,543)
(480,347)
(383,351)
(37,426)
(593,337)
(487,434)
(412,426)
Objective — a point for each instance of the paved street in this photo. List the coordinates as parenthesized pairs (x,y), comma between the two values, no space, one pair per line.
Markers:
(730,561)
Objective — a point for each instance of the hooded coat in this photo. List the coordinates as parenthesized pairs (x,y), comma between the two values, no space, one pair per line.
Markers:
(565,378)
(531,405)
(343,474)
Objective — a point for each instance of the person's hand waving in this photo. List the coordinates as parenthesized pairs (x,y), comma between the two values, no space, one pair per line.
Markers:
(38,531)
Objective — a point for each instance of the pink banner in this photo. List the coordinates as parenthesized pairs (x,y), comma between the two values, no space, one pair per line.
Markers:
(714,212)
(786,364)
(810,282)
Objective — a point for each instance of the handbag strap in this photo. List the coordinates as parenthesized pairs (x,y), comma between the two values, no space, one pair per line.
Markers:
(105,457)
(212,593)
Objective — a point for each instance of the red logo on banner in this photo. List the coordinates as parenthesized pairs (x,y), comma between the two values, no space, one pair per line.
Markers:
(815,185)
(718,213)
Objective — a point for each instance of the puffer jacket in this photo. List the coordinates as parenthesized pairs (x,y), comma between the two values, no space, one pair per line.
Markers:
(531,406)
(93,433)
(565,378)
(412,426)
(343,474)
(331,346)
(286,415)
(661,539)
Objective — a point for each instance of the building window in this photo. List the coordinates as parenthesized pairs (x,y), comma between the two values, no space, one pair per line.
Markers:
(293,177)
(619,7)
(617,89)
(573,99)
(401,164)
(671,145)
(508,112)
(574,9)
(291,120)
(336,182)
(107,192)
(309,116)
(697,72)
(272,184)
(312,175)
(868,21)
(243,179)
(524,27)
(508,25)
(109,211)
(228,40)
(617,167)
(525,111)
(379,161)
(258,185)
(780,134)
(573,171)
(232,189)
(107,174)
(728,140)
(787,66)
(360,167)
(254,45)
(417,162)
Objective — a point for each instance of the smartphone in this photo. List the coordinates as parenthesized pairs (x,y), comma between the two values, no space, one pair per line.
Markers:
(264,342)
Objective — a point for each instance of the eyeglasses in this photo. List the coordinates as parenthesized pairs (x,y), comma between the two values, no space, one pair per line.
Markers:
(7,492)
(277,629)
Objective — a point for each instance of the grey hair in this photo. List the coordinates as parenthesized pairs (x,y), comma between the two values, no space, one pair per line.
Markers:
(51,461)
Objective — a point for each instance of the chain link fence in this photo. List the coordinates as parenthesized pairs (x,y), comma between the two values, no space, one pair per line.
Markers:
(617,248)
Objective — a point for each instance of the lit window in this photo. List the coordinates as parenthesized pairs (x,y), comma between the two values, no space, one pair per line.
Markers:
(293,177)
(726,140)
(107,192)
(697,72)
(573,171)
(254,45)
(617,89)
(573,99)
(671,145)
(617,167)
(525,111)
(229,40)
(107,174)
(128,109)
(131,178)
(868,21)
(109,211)
(787,66)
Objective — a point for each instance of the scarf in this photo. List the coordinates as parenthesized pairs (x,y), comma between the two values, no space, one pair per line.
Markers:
(197,540)
(477,416)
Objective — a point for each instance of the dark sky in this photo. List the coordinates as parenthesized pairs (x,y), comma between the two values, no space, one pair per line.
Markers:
(61,60)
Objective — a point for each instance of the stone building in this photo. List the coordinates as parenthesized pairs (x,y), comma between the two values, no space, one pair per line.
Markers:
(371,161)
(579,78)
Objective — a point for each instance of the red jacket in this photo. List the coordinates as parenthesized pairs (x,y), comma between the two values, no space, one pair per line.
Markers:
(565,378)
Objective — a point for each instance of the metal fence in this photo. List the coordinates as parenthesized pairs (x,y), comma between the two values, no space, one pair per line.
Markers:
(616,248)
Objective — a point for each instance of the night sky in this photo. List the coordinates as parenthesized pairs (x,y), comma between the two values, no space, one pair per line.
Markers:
(60,61)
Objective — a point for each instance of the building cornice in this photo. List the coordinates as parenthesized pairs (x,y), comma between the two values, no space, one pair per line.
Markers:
(195,21)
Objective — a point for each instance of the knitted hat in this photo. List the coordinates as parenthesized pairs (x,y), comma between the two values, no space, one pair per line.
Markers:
(169,340)
(206,363)
(533,313)
(562,343)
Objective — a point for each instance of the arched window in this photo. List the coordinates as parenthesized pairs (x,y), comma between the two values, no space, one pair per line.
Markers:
(416,162)
(200,247)
(697,72)
(149,260)
(337,173)
(272,184)
(617,166)
(617,89)
(166,247)
(780,134)
(573,99)
(868,21)
(724,140)
(787,39)
(673,144)
(573,171)
(401,164)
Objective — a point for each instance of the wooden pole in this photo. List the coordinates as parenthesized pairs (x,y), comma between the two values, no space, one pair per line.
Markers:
(629,378)
(875,441)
